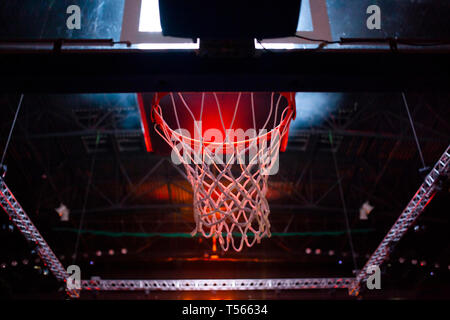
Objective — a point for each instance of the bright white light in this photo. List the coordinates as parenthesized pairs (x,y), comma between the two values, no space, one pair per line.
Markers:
(305,19)
(149,20)
(162,46)
(269,45)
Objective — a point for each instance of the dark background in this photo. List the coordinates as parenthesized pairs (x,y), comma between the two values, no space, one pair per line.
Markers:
(53,154)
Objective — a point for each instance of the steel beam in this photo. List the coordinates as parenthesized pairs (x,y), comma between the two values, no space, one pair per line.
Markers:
(21,220)
(217,284)
(132,70)
(406,219)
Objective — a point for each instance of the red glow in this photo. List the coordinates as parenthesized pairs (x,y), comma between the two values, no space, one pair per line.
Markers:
(217,258)
(210,121)
(431,198)
(214,247)
(144,123)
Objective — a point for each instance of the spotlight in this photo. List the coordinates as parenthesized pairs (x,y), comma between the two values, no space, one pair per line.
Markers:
(98,253)
(91,262)
(340,261)
(25,261)
(3,170)
(111,252)
(431,273)
(423,263)
(308,250)
(14,263)
(3,265)
(318,251)
(365,210)
(331,252)
(124,251)
(401,260)
(414,261)
(63,212)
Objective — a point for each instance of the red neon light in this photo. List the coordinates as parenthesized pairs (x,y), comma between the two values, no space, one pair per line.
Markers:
(144,123)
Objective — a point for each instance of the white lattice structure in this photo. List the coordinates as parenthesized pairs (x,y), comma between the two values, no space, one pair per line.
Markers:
(21,220)
(412,211)
(217,284)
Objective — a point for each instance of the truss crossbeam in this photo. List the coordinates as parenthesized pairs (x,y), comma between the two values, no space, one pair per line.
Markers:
(217,284)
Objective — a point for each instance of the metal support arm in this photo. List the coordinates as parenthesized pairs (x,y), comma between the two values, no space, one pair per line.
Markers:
(406,219)
(21,220)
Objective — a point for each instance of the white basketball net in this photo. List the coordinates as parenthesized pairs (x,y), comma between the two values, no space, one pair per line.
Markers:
(229,179)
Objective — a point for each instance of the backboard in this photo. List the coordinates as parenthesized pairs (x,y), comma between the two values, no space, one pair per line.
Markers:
(141,25)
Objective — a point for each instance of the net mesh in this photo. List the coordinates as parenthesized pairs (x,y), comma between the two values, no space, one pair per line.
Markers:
(229,177)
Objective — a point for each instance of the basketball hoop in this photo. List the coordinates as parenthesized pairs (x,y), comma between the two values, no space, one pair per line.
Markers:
(227,167)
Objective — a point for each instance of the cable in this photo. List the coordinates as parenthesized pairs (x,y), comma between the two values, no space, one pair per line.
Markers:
(318,40)
(414,130)
(86,196)
(344,207)
(393,42)
(262,46)
(11,131)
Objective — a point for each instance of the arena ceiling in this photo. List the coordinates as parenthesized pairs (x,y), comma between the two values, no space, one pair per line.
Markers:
(87,151)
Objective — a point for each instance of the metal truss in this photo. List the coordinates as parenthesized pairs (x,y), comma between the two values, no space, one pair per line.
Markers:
(414,208)
(412,211)
(21,220)
(217,284)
